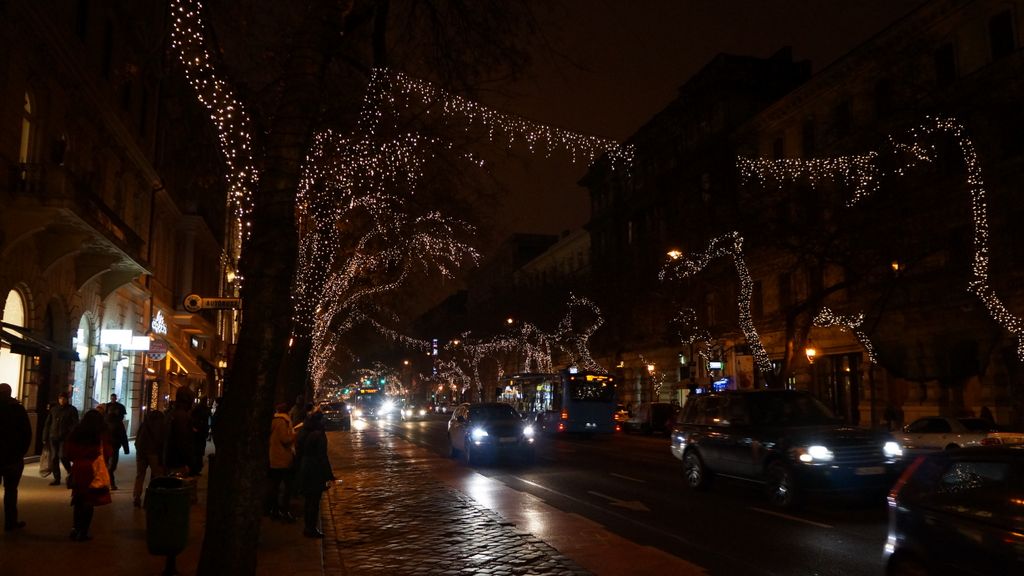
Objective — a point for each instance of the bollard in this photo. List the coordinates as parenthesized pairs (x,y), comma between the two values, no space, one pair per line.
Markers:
(168,500)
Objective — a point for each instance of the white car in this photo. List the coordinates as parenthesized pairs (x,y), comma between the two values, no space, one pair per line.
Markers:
(941,433)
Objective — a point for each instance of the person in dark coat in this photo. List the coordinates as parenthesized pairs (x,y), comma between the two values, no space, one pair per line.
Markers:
(59,422)
(89,441)
(200,416)
(15,437)
(114,413)
(314,471)
(179,448)
(149,451)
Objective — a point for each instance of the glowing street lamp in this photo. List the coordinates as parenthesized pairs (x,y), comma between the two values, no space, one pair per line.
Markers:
(675,254)
(810,351)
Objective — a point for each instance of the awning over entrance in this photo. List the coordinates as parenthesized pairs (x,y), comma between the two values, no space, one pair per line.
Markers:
(22,341)
(186,361)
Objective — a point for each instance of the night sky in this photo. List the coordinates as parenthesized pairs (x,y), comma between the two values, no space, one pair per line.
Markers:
(613,64)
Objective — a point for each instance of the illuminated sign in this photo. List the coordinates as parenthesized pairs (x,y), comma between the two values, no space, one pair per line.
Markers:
(159,324)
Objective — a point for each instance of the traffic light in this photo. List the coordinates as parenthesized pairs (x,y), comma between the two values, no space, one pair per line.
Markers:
(383,380)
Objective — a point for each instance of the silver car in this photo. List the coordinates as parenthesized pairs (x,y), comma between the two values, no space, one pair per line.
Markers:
(933,433)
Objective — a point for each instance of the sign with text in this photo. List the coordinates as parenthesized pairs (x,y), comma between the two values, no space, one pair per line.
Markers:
(195,303)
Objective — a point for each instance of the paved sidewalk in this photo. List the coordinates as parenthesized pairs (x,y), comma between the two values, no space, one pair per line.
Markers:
(118,547)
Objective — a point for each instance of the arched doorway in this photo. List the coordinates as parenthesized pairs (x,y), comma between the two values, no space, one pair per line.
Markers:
(12,366)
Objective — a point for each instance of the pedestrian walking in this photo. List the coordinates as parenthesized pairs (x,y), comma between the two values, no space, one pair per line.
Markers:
(314,471)
(15,437)
(59,422)
(200,417)
(149,451)
(282,456)
(88,447)
(113,414)
(179,444)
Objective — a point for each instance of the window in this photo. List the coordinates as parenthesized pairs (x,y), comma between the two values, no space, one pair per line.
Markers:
(757,301)
(842,118)
(26,130)
(785,290)
(945,64)
(1000,34)
(808,138)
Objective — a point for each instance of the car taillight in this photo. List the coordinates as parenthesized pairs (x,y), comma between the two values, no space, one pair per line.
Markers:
(990,441)
(904,478)
(565,414)
(618,428)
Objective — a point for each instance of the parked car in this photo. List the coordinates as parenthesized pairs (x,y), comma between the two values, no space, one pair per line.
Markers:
(942,433)
(784,439)
(652,418)
(489,429)
(959,512)
(336,415)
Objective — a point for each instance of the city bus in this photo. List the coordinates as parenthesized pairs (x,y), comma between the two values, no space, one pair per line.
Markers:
(568,402)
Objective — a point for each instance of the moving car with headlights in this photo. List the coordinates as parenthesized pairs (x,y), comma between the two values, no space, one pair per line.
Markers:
(490,429)
(336,416)
(414,412)
(959,512)
(784,439)
(933,433)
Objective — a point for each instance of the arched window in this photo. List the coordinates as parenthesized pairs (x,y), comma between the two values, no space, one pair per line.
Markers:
(11,365)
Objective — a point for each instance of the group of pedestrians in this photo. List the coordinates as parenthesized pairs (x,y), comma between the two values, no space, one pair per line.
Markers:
(298,463)
(87,450)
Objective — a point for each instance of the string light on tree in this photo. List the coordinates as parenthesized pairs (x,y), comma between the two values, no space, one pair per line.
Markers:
(827,318)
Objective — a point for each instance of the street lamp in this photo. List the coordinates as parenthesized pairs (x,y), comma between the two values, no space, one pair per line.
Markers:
(810,351)
(675,254)
(509,320)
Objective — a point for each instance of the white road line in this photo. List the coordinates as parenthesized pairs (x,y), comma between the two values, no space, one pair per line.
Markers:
(788,517)
(628,478)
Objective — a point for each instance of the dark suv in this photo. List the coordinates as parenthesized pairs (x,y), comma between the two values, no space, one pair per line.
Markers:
(784,439)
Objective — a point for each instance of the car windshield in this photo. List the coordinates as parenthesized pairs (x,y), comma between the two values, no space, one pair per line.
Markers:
(977,424)
(493,412)
(788,409)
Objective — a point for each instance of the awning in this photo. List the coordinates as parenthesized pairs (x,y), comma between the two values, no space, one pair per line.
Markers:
(185,360)
(21,341)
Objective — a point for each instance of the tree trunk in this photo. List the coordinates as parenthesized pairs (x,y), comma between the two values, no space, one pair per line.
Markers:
(237,479)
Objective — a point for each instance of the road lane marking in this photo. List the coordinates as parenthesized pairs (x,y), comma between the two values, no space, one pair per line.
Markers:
(788,517)
(635,505)
(628,478)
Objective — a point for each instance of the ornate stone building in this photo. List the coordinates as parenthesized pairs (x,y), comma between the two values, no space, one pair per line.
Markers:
(111,210)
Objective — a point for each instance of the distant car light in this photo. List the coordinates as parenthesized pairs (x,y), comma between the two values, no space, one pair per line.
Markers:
(387,406)
(358,412)
(423,411)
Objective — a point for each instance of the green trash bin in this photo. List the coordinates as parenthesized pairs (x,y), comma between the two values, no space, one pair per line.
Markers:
(168,500)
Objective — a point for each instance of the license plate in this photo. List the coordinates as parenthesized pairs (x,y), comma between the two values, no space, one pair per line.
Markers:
(507,440)
(869,470)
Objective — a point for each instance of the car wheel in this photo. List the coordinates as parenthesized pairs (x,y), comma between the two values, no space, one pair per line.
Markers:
(695,473)
(905,565)
(781,486)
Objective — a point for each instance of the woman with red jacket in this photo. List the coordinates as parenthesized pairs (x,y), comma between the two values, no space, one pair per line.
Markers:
(88,441)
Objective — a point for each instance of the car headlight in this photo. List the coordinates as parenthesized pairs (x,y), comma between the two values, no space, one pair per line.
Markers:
(423,412)
(358,412)
(528,431)
(815,453)
(478,434)
(387,406)
(892,449)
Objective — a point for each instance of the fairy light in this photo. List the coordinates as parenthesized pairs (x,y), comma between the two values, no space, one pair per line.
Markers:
(577,344)
(826,318)
(397,90)
(229,116)
(862,175)
(727,245)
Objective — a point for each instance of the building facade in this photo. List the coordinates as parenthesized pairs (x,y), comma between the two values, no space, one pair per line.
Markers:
(110,212)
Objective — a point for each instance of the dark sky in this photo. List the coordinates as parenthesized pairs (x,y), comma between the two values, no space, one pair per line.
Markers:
(613,64)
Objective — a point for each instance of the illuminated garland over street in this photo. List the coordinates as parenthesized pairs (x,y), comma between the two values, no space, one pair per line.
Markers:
(396,89)
(863,174)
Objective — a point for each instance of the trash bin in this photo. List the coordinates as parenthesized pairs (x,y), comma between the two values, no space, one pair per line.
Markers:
(168,500)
